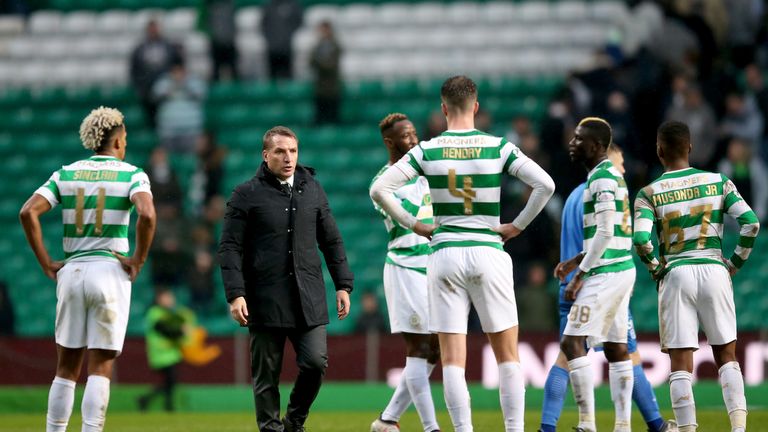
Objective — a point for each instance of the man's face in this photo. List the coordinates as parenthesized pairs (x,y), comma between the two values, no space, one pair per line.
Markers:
(122,136)
(581,147)
(402,137)
(281,156)
(617,159)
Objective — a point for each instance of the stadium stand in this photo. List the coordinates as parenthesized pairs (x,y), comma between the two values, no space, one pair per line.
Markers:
(71,55)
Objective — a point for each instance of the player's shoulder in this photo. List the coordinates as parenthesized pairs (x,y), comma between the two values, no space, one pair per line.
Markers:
(378,174)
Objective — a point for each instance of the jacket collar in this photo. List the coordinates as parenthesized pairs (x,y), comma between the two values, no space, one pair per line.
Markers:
(301,175)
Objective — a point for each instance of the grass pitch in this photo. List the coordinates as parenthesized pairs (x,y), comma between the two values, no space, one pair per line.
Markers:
(342,421)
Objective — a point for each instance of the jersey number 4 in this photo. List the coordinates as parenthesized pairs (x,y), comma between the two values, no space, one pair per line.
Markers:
(466,192)
(101,200)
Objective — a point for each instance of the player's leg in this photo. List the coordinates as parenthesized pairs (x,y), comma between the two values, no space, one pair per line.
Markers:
(448,311)
(511,380)
(266,346)
(732,383)
(644,396)
(420,349)
(492,294)
(311,349)
(96,395)
(620,373)
(61,396)
(679,337)
(556,386)
(718,320)
(70,345)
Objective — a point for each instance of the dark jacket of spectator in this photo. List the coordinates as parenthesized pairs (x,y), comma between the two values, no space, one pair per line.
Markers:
(279,21)
(268,250)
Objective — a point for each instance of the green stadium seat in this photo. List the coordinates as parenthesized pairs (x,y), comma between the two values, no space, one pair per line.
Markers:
(364,90)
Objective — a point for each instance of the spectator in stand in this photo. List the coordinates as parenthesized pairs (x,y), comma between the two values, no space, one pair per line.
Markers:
(220,21)
(152,58)
(7,316)
(165,184)
(279,21)
(536,302)
(436,125)
(206,182)
(325,63)
(700,118)
(180,116)
(370,319)
(749,174)
(757,89)
(521,127)
(742,120)
(200,273)
(745,19)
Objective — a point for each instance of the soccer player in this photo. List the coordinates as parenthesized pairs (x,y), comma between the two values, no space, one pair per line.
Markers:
(602,284)
(93,283)
(694,278)
(405,286)
(556,387)
(468,266)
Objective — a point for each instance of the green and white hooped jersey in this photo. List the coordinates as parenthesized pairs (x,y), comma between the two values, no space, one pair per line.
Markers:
(95,195)
(464,171)
(688,206)
(405,248)
(607,190)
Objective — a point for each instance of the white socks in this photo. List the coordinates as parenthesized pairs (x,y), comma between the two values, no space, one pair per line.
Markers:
(61,397)
(417,378)
(732,383)
(583,385)
(683,405)
(622,378)
(457,398)
(512,396)
(401,398)
(95,401)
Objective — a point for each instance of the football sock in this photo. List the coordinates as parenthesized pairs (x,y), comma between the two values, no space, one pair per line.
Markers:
(417,378)
(457,398)
(400,401)
(681,393)
(61,397)
(583,385)
(95,402)
(645,399)
(554,396)
(732,383)
(512,396)
(621,378)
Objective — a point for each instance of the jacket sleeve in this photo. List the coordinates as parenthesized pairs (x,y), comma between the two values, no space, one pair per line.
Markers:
(231,247)
(332,246)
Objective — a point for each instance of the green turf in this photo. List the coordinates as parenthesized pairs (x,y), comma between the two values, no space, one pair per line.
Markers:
(344,421)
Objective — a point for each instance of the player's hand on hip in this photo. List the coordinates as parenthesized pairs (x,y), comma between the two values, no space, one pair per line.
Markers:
(238,309)
(131,265)
(731,268)
(424,230)
(53,268)
(342,304)
(563,268)
(507,231)
(572,290)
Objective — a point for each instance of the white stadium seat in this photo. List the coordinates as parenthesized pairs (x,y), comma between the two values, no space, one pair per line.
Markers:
(79,22)
(462,13)
(357,15)
(179,21)
(570,10)
(248,19)
(428,13)
(534,11)
(497,12)
(45,22)
(114,22)
(610,11)
(320,13)
(196,43)
(393,15)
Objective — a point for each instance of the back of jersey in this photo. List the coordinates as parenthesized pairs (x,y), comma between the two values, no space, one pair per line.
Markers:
(464,170)
(95,195)
(688,205)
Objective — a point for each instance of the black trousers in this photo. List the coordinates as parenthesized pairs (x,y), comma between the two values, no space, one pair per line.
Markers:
(267,344)
(280,65)
(166,388)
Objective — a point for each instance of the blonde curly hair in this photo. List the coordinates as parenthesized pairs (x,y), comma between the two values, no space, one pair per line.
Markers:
(98,125)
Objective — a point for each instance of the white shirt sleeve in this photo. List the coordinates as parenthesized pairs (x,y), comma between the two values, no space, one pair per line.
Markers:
(543,187)
(603,236)
(384,188)
(139,183)
(50,190)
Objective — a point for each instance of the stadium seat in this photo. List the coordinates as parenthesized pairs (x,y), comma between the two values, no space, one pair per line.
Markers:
(45,22)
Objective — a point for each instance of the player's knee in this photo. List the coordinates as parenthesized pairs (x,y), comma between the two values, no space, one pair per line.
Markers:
(570,347)
(616,352)
(314,363)
(724,353)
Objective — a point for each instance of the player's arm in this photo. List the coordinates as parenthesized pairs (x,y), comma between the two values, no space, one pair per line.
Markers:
(644,221)
(603,192)
(145,232)
(749,225)
(530,173)
(29,216)
(383,194)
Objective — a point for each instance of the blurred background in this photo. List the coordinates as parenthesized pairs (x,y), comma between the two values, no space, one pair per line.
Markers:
(200,81)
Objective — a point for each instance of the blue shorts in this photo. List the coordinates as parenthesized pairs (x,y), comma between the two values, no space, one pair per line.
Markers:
(564,308)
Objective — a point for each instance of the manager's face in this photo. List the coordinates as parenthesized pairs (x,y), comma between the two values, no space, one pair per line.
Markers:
(281,156)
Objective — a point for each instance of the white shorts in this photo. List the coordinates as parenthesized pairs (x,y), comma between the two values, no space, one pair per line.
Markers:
(93,302)
(690,295)
(479,275)
(601,309)
(407,304)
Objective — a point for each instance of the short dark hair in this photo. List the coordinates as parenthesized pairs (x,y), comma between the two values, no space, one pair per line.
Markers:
(458,92)
(389,122)
(599,129)
(674,138)
(277,130)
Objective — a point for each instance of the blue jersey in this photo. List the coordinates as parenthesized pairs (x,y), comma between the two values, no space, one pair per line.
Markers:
(572,243)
